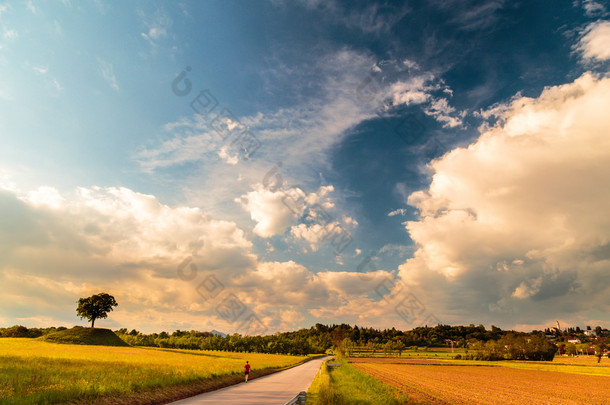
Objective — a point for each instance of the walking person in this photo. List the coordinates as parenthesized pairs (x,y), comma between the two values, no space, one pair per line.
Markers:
(247,370)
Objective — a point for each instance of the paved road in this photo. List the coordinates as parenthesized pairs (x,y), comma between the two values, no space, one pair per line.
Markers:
(274,389)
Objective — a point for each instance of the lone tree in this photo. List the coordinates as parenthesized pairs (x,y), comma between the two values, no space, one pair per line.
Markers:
(96,306)
(600,346)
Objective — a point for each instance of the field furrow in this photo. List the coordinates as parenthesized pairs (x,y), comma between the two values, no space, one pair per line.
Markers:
(489,385)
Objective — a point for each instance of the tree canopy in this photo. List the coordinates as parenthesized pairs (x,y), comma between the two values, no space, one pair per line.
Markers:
(95,307)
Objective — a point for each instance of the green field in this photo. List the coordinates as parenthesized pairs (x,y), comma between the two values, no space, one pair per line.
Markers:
(344,385)
(33,371)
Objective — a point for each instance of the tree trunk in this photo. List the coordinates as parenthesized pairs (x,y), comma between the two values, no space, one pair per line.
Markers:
(92,322)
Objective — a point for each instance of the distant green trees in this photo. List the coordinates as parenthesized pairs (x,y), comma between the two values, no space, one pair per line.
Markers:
(298,343)
(515,347)
(22,331)
(320,338)
(493,344)
(95,307)
(349,340)
(600,346)
(571,349)
(347,347)
(394,347)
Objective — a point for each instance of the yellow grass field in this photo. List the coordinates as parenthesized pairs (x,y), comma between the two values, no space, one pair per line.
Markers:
(37,372)
(438,382)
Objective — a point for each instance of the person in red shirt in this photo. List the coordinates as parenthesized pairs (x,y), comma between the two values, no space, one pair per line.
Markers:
(247,370)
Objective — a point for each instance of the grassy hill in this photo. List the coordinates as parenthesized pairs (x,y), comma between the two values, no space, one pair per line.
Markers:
(79,335)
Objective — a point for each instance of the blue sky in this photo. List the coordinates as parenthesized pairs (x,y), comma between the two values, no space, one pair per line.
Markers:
(460,141)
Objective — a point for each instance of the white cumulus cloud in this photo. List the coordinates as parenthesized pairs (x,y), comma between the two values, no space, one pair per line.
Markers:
(595,42)
(274,210)
(515,223)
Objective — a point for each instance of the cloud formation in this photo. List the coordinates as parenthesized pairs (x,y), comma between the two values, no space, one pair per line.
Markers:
(347,95)
(514,224)
(593,8)
(107,72)
(60,247)
(274,209)
(56,248)
(430,92)
(371,19)
(270,210)
(157,26)
(594,44)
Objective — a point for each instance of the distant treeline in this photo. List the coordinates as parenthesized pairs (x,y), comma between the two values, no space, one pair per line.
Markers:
(317,339)
(22,331)
(514,347)
(494,343)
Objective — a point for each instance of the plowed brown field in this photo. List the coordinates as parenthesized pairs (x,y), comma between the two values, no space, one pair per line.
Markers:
(431,384)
